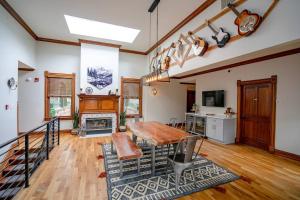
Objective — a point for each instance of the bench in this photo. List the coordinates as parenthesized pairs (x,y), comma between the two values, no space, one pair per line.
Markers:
(126,149)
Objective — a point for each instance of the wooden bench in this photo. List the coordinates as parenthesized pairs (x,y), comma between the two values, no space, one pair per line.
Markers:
(126,149)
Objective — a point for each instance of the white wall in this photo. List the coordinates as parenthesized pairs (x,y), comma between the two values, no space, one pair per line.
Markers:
(287,69)
(16,45)
(132,65)
(275,30)
(169,102)
(99,57)
(50,57)
(58,58)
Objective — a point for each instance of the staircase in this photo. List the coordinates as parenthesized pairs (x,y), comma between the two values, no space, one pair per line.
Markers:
(25,154)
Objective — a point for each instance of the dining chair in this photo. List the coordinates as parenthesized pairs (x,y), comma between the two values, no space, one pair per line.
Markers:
(173,122)
(182,127)
(184,159)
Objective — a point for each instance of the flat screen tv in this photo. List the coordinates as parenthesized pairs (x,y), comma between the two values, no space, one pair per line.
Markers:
(213,98)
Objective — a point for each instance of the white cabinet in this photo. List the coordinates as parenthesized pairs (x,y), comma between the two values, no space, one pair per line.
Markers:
(221,129)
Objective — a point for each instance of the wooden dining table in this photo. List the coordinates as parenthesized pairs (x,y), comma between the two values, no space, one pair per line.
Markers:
(156,134)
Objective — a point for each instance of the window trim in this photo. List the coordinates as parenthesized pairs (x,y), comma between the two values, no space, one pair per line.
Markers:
(132,80)
(47,99)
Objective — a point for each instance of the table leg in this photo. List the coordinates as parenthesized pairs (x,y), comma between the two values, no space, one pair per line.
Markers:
(134,138)
(153,159)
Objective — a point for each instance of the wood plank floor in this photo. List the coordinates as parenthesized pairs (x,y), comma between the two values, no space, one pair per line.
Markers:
(73,169)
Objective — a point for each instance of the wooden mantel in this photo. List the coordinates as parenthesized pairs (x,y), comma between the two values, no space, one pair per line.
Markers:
(91,104)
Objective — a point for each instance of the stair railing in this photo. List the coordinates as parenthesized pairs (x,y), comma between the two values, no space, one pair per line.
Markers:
(21,156)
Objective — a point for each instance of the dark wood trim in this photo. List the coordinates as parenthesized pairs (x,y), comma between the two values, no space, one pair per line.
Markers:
(132,51)
(287,155)
(100,43)
(58,41)
(184,83)
(26,69)
(195,13)
(238,121)
(273,81)
(18,18)
(132,80)
(246,62)
(46,99)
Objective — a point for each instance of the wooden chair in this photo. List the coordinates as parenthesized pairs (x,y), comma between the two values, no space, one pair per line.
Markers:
(186,158)
(173,122)
(126,150)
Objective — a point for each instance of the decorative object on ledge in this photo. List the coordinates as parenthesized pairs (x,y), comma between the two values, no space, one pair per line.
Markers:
(229,112)
(199,45)
(89,90)
(225,9)
(221,37)
(246,21)
(195,108)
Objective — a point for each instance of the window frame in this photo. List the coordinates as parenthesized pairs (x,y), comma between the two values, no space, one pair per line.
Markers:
(47,97)
(132,80)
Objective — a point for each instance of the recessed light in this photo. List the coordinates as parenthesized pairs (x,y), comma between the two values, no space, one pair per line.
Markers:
(102,30)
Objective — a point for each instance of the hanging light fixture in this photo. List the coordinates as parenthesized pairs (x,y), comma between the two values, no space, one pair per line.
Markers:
(156,73)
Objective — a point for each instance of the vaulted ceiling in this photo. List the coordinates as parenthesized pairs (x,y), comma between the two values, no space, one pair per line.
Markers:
(46,18)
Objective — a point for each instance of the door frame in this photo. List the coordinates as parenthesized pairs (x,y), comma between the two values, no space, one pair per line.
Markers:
(273,81)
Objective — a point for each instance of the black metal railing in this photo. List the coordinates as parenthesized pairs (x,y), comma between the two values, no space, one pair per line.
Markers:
(22,155)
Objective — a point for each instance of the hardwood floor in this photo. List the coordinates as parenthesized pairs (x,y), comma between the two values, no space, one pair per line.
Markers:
(73,169)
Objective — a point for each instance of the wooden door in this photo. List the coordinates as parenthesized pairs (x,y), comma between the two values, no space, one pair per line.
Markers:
(191,98)
(256,115)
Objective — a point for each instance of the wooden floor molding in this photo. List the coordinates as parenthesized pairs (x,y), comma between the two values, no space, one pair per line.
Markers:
(287,154)
(73,169)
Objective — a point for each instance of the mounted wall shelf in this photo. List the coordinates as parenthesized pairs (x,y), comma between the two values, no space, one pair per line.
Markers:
(212,19)
(24,67)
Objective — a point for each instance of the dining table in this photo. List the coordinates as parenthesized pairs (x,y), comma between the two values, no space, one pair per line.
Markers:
(156,134)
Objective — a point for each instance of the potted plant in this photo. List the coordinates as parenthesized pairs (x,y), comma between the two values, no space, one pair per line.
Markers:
(122,127)
(75,122)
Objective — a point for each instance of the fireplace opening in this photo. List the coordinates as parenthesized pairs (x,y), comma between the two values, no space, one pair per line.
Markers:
(98,125)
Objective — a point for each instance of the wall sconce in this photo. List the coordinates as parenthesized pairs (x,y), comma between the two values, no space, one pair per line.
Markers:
(154,91)
(12,83)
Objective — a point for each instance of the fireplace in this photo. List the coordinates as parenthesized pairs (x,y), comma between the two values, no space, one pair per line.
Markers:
(98,125)
(98,114)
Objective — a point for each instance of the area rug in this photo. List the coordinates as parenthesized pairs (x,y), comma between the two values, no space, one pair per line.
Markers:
(160,186)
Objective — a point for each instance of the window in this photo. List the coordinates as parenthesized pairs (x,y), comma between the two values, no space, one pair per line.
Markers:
(131,97)
(59,95)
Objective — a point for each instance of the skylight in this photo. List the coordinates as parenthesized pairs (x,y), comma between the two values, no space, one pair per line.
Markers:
(101,30)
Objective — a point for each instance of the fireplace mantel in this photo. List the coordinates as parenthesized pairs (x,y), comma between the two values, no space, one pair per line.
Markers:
(97,104)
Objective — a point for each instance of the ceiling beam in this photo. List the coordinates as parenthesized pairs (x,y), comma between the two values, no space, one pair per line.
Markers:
(133,51)
(195,13)
(18,18)
(100,43)
(246,62)
(58,41)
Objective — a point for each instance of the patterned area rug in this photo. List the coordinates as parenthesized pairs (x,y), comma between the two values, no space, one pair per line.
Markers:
(160,186)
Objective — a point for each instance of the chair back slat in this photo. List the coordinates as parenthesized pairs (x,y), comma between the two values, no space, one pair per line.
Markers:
(188,145)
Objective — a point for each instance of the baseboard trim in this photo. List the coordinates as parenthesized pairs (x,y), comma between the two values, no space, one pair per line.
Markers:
(287,155)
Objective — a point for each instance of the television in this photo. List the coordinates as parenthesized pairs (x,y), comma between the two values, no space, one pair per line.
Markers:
(213,98)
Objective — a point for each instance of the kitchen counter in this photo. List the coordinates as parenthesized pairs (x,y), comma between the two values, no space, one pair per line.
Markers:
(216,116)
